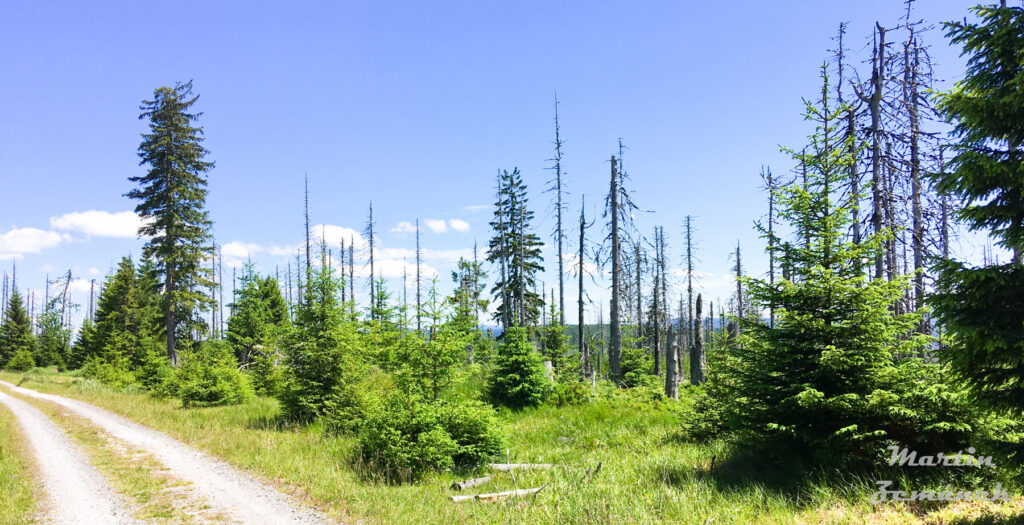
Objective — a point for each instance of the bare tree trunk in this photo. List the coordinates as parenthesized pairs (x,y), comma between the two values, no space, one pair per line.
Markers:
(654,310)
(615,346)
(558,216)
(875,105)
(915,178)
(308,253)
(169,321)
(584,350)
(352,272)
(373,291)
(419,278)
(739,290)
(697,354)
(685,327)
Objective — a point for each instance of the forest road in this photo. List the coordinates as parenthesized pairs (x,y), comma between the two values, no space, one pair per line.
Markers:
(228,490)
(75,491)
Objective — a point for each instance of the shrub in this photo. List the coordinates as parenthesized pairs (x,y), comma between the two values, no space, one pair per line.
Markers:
(209,377)
(518,379)
(112,371)
(407,436)
(570,394)
(636,362)
(154,372)
(21,361)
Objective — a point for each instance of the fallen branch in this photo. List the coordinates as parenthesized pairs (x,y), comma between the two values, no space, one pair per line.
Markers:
(461,485)
(497,496)
(509,467)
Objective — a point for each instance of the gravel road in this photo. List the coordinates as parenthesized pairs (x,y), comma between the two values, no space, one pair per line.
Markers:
(229,491)
(76,491)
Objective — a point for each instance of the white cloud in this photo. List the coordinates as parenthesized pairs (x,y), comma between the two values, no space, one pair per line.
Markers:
(334,234)
(477,207)
(99,223)
(94,271)
(427,254)
(240,249)
(459,225)
(437,225)
(404,227)
(81,286)
(19,241)
(281,250)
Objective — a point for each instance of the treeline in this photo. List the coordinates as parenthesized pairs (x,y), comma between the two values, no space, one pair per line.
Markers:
(863,333)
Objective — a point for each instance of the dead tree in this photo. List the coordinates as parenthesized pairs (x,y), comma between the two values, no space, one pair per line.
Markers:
(557,187)
(697,353)
(874,101)
(615,346)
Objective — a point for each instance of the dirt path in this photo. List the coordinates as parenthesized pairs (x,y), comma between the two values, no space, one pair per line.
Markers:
(228,490)
(77,492)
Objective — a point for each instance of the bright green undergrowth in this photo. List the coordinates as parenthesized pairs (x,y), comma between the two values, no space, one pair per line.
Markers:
(646,474)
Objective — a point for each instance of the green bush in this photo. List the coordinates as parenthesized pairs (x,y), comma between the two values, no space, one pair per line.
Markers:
(636,364)
(518,379)
(407,436)
(21,361)
(155,373)
(208,377)
(570,394)
(112,371)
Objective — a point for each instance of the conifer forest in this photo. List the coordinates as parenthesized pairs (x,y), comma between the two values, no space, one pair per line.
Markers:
(573,355)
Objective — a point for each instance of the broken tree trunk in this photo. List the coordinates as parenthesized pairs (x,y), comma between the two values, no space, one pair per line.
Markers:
(508,467)
(462,485)
(497,496)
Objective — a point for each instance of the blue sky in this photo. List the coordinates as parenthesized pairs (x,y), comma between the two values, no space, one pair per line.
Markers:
(414,105)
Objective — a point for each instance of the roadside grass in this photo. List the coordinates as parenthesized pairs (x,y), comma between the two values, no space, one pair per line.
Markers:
(151,494)
(645,475)
(18,487)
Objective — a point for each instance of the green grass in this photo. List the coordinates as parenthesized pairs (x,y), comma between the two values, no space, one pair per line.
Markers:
(17,486)
(646,476)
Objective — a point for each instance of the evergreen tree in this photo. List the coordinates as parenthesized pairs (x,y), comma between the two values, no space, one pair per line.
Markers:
(82,343)
(54,337)
(982,308)
(320,351)
(518,379)
(16,337)
(172,197)
(831,379)
(518,251)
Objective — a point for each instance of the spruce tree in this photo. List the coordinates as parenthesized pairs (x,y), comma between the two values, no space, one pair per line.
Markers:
(517,249)
(983,308)
(833,378)
(320,351)
(16,339)
(172,199)
(518,379)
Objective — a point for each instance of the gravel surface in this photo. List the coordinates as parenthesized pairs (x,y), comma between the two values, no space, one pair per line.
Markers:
(229,491)
(77,492)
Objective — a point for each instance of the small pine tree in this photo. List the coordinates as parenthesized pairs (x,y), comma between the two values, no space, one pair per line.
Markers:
(518,379)
(320,351)
(209,376)
(982,308)
(833,378)
(16,332)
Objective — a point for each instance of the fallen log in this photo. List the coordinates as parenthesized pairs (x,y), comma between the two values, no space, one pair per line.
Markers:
(509,467)
(497,496)
(461,485)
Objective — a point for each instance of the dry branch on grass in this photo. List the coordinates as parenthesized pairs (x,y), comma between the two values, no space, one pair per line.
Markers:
(460,485)
(497,496)
(509,467)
